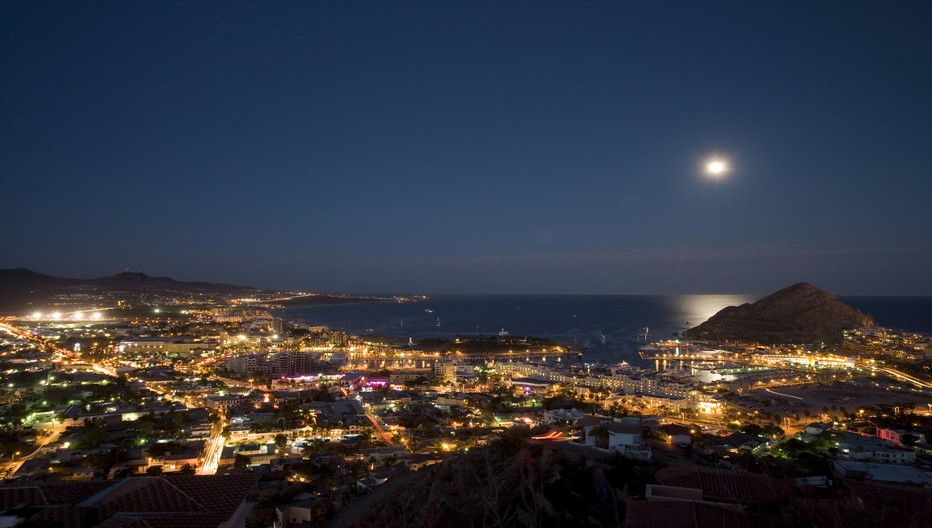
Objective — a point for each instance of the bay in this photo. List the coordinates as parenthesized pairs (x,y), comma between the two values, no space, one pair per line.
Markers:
(611,328)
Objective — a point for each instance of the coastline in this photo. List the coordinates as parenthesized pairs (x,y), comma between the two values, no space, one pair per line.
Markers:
(317,299)
(608,328)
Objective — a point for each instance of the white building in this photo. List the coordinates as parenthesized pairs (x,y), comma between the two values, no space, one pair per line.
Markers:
(624,438)
(872,449)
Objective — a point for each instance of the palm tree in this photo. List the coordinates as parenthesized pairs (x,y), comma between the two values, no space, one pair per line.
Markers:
(600,434)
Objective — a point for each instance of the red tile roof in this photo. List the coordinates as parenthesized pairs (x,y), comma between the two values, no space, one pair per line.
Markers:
(724,485)
(124,522)
(655,514)
(220,495)
(43,494)
(141,502)
(145,494)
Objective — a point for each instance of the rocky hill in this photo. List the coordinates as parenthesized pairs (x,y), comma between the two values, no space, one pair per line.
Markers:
(800,314)
(509,483)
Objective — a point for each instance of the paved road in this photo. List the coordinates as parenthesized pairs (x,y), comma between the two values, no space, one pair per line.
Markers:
(213,451)
(14,466)
(904,376)
(385,436)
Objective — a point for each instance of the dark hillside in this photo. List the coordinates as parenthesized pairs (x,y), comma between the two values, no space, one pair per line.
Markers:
(800,314)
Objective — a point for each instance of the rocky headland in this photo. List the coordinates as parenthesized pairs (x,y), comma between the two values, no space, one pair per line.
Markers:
(800,314)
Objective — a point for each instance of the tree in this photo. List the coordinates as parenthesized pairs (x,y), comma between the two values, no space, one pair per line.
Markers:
(281,441)
(772,431)
(165,448)
(240,461)
(420,380)
(359,469)
(600,434)
(144,428)
(155,471)
(751,429)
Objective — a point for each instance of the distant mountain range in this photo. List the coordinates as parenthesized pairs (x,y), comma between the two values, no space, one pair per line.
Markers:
(21,289)
(801,314)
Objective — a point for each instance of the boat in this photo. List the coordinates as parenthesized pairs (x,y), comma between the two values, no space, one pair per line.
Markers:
(650,352)
(665,350)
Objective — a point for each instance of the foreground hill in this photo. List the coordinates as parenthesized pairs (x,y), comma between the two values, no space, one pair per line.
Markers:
(800,314)
(508,483)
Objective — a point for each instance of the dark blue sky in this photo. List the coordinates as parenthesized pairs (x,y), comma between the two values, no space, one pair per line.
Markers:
(502,147)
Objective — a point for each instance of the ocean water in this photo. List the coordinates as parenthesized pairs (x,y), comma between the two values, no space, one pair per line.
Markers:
(609,327)
(913,314)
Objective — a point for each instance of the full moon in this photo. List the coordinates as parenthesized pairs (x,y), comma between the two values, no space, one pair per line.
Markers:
(716,168)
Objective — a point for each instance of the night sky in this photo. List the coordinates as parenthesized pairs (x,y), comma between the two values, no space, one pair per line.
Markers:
(472,147)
